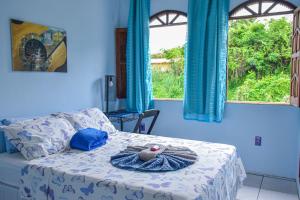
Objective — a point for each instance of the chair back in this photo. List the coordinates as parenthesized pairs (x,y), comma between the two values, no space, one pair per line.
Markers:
(146,114)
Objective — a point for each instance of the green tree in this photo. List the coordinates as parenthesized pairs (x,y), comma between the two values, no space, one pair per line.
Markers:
(259,55)
(176,56)
(261,49)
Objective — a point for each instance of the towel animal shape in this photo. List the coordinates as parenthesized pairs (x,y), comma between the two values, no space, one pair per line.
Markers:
(154,158)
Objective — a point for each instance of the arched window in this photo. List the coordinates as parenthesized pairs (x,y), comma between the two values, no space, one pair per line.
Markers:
(168,18)
(262,8)
(167,39)
(260,52)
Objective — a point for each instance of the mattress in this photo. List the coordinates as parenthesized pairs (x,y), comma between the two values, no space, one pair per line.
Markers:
(216,175)
(10,168)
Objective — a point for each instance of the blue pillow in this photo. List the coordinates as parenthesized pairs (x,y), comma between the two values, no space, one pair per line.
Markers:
(5,145)
(2,142)
(3,122)
(88,139)
(10,148)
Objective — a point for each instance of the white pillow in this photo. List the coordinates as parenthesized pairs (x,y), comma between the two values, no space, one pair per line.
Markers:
(40,137)
(101,119)
(89,118)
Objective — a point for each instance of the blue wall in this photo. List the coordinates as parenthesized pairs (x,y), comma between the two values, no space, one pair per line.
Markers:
(90,34)
(277,124)
(298,162)
(90,28)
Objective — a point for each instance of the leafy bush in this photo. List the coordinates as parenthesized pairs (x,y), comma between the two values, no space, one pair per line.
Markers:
(167,85)
(259,56)
(272,88)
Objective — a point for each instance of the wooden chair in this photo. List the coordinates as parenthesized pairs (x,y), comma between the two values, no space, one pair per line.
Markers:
(146,114)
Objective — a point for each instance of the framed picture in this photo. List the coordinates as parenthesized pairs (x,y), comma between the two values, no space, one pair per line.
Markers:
(38,48)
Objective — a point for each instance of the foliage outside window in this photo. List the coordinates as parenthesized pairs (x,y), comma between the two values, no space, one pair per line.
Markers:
(167,38)
(259,51)
(259,56)
(169,82)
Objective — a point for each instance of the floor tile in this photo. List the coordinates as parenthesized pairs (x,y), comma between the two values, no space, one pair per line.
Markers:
(251,188)
(248,193)
(279,185)
(272,195)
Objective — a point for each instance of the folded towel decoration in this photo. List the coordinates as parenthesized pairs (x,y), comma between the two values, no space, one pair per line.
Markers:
(88,139)
(154,158)
(151,153)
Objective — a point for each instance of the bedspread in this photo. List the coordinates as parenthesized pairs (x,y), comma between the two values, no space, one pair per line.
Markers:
(76,175)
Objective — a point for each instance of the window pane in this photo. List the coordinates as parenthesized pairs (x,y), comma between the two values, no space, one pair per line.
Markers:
(241,13)
(266,6)
(163,18)
(167,50)
(155,22)
(181,19)
(279,8)
(254,7)
(172,16)
(259,56)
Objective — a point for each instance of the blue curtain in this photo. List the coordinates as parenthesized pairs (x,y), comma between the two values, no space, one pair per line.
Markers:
(139,76)
(206,59)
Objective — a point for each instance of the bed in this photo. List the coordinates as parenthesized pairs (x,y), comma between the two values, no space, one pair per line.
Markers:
(75,175)
(10,168)
(89,175)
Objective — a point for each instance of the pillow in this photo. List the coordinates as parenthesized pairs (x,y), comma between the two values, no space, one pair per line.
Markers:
(4,143)
(10,148)
(89,118)
(101,119)
(40,137)
(78,120)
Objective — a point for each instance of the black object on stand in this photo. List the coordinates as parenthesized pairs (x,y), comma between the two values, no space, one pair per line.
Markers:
(108,84)
(119,116)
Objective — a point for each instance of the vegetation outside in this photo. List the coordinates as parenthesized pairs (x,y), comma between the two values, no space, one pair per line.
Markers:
(259,57)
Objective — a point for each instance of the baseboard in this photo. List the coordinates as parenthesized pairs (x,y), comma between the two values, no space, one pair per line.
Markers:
(279,177)
(271,176)
(8,192)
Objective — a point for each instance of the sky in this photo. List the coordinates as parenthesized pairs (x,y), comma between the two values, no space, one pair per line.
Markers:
(167,37)
(174,36)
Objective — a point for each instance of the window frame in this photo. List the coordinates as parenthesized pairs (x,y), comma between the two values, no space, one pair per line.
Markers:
(167,23)
(260,13)
(245,5)
(231,17)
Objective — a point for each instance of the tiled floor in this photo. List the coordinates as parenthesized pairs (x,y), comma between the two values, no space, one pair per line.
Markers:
(266,188)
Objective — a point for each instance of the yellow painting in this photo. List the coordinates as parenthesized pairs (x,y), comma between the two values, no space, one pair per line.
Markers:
(38,48)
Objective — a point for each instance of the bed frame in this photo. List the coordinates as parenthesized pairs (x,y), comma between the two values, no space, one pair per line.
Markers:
(9,192)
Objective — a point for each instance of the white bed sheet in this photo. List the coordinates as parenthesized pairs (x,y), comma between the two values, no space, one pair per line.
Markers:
(10,168)
(216,175)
